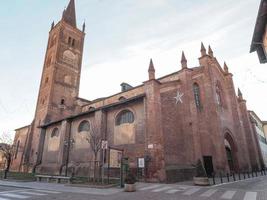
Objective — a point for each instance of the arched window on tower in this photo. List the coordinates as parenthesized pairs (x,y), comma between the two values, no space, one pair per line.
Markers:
(84,126)
(196,91)
(125,116)
(62,102)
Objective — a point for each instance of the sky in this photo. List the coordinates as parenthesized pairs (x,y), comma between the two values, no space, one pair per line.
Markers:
(121,37)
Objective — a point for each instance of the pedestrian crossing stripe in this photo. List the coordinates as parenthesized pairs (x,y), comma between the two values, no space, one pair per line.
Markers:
(191,191)
(3,198)
(228,195)
(48,191)
(250,196)
(172,191)
(32,193)
(150,187)
(18,196)
(208,193)
(162,189)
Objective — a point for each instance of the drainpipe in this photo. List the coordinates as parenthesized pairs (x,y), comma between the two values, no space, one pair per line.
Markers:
(40,150)
(69,142)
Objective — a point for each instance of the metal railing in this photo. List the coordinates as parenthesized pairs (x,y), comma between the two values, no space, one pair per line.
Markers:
(220,178)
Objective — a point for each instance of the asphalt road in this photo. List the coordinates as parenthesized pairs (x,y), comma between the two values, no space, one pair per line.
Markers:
(251,189)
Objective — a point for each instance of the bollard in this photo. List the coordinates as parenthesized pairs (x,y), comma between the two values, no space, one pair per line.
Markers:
(239,176)
(213,179)
(244,175)
(234,176)
(221,177)
(227,177)
(264,171)
(248,175)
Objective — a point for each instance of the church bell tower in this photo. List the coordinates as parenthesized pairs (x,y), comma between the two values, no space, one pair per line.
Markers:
(60,80)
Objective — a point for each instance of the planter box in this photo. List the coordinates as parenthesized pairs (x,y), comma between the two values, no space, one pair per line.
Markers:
(201,181)
(129,188)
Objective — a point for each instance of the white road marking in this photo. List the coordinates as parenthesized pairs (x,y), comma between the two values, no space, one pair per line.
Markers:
(228,195)
(48,191)
(162,189)
(150,187)
(191,191)
(184,187)
(18,196)
(32,193)
(208,193)
(250,196)
(3,198)
(169,191)
(8,191)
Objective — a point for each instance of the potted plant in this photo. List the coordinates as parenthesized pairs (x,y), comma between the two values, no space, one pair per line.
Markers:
(129,183)
(201,177)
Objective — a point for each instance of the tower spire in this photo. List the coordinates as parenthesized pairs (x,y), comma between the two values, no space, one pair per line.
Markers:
(69,14)
(151,70)
(183,61)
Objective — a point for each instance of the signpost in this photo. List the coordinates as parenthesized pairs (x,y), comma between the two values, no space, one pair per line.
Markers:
(104,146)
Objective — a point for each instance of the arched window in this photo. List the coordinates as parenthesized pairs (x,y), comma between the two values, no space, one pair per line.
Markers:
(196,91)
(84,126)
(124,117)
(122,98)
(91,108)
(55,133)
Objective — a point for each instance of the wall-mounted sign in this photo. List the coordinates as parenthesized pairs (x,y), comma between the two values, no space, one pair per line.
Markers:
(150,146)
(104,144)
(115,158)
(141,162)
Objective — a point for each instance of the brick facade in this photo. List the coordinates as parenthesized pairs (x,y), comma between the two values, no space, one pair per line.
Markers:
(171,133)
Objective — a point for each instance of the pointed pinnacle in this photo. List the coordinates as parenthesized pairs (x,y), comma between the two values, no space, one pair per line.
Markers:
(239,93)
(84,26)
(52,25)
(225,67)
(203,50)
(183,57)
(151,66)
(183,61)
(210,51)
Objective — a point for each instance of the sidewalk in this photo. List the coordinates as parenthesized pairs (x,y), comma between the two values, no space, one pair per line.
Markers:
(61,187)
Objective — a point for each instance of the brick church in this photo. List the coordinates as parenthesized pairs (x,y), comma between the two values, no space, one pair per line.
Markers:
(171,121)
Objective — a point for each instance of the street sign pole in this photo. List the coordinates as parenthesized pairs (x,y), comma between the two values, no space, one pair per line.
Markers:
(104,146)
(103,160)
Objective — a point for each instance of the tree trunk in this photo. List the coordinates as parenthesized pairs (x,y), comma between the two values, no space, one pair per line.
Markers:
(7,167)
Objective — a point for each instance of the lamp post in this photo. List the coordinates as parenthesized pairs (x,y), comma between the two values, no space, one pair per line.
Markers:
(68,143)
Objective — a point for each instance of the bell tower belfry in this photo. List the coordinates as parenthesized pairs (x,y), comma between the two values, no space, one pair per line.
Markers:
(59,87)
